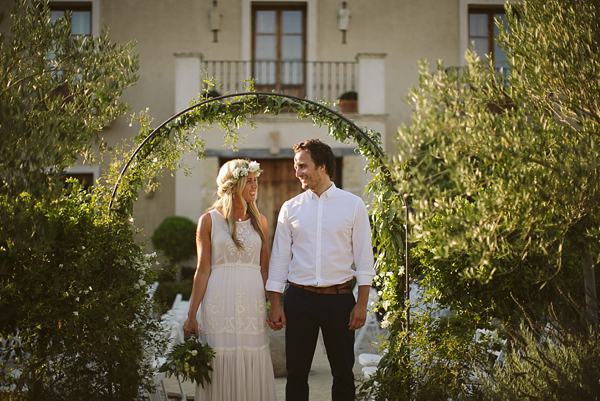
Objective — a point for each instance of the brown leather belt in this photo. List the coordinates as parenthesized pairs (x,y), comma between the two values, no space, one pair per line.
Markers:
(344,288)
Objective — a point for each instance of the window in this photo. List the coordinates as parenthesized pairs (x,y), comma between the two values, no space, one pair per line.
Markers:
(81,24)
(81,16)
(483,32)
(278,48)
(86,179)
(86,175)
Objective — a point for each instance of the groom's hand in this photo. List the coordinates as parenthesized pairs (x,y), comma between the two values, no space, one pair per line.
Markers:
(358,316)
(276,320)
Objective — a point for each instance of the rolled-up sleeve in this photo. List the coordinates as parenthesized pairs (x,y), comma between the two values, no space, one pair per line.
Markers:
(361,246)
(281,254)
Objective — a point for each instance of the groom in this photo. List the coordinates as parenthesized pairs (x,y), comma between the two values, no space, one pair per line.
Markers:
(321,234)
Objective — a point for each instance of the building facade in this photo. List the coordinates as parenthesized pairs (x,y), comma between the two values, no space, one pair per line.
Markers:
(364,52)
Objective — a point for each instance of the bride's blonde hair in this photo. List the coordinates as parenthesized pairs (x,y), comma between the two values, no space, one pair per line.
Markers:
(233,174)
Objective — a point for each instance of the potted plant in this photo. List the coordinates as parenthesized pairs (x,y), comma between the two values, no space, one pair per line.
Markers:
(349,102)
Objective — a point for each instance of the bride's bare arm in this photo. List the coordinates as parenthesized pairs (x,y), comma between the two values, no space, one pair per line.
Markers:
(264,251)
(202,274)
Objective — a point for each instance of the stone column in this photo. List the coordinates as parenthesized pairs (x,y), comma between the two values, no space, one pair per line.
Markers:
(187,78)
(371,83)
(187,87)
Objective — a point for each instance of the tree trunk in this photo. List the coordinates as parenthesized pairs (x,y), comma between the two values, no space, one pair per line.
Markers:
(589,280)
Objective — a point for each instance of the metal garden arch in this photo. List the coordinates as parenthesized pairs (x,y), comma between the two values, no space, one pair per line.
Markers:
(293,100)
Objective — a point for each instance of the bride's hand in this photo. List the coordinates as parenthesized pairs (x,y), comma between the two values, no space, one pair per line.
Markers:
(190,326)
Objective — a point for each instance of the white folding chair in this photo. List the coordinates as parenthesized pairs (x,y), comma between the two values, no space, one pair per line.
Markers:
(174,320)
(152,289)
(418,305)
(369,364)
(160,391)
(9,344)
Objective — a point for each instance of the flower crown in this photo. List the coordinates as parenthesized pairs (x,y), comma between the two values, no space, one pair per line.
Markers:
(244,169)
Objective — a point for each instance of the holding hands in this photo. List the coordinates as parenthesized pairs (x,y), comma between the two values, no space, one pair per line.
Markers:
(276,320)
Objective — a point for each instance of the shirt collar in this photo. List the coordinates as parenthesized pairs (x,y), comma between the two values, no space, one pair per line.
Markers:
(328,193)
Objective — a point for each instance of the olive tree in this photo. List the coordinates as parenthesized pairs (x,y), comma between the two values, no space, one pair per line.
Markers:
(502,173)
(500,169)
(58,92)
(76,322)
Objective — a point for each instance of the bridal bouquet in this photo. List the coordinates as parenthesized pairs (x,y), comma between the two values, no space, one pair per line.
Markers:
(190,360)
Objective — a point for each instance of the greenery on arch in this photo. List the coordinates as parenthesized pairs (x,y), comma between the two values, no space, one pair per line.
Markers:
(163,146)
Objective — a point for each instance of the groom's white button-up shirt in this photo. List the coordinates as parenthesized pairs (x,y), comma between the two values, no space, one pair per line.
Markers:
(318,241)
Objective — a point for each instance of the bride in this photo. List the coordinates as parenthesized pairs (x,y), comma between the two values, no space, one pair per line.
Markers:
(233,263)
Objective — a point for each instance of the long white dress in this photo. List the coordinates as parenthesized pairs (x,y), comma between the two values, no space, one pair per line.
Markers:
(232,318)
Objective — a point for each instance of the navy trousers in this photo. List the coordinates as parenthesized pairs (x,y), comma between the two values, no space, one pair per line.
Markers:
(305,313)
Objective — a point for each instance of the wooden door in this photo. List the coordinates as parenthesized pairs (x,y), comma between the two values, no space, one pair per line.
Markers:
(276,184)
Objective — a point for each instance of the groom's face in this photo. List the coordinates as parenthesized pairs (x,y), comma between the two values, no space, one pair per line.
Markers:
(307,172)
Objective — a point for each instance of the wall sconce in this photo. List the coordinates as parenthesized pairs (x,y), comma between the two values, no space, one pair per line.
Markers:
(214,20)
(343,20)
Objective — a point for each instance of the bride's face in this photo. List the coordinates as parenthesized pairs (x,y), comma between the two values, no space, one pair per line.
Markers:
(250,191)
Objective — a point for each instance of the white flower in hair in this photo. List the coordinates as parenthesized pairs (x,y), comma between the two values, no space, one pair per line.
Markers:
(254,167)
(244,169)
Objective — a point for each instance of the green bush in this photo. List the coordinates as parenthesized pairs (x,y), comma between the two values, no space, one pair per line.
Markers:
(168,273)
(73,289)
(176,238)
(447,277)
(167,291)
(435,361)
(72,276)
(187,273)
(548,364)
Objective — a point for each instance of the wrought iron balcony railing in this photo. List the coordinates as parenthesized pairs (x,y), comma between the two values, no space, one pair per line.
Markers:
(315,80)
(502,73)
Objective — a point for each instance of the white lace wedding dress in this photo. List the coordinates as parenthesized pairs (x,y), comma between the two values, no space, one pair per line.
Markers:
(232,318)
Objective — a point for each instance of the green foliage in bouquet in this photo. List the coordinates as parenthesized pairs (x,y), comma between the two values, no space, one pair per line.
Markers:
(190,360)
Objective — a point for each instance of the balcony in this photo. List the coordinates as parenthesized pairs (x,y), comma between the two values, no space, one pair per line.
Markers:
(502,73)
(315,80)
(362,81)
